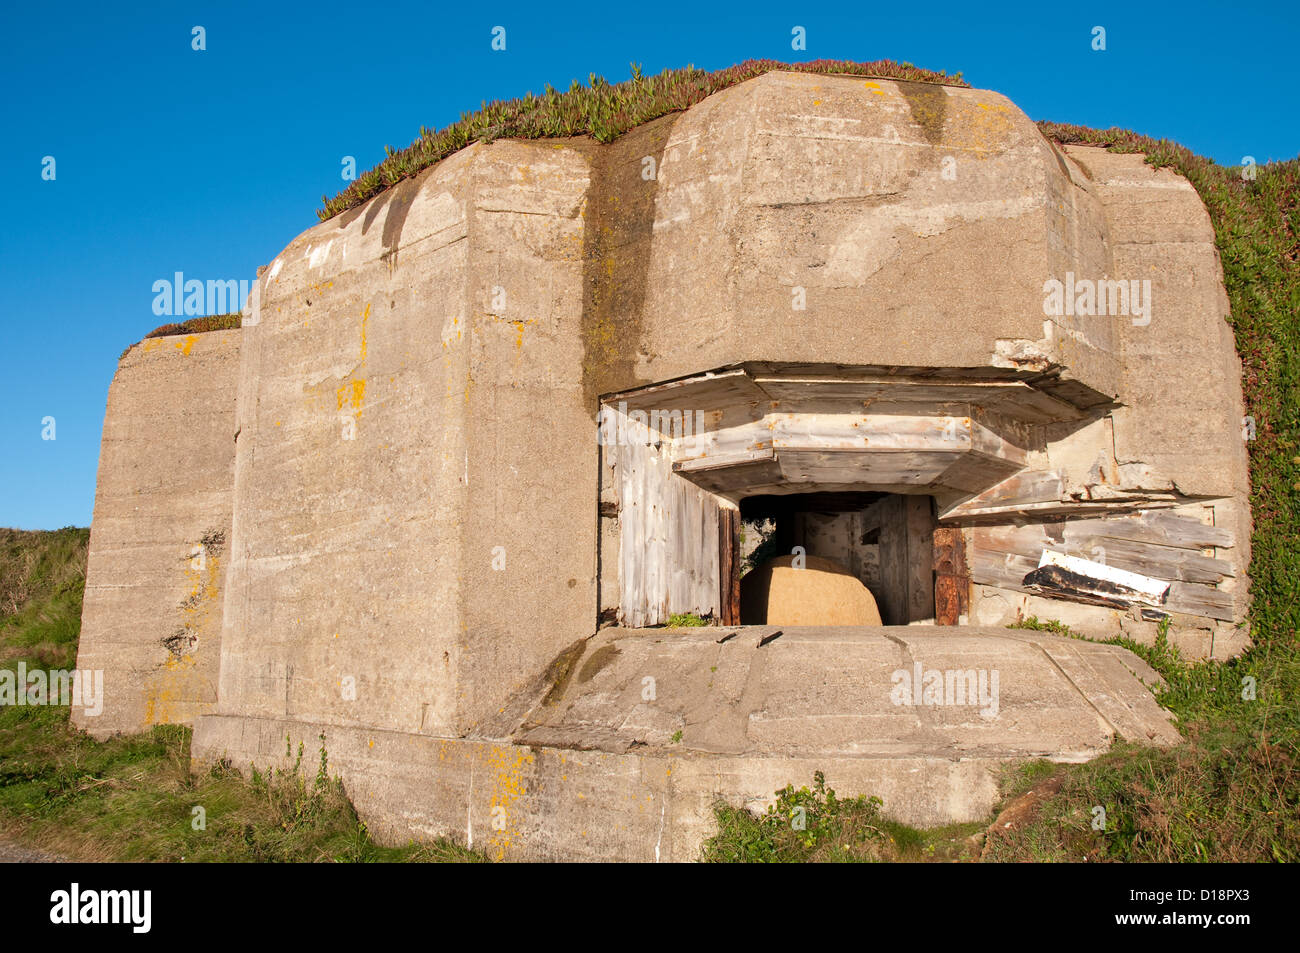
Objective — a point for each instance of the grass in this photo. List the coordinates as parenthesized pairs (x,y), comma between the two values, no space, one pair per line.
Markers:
(137,798)
(42,575)
(1230,794)
(601,110)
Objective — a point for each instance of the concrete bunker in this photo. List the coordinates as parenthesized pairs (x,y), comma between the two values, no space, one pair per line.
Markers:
(453,574)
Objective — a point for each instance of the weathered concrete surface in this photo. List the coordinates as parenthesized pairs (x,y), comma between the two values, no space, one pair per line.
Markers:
(573,805)
(416,474)
(1183,408)
(599,772)
(920,221)
(834,690)
(151,620)
(415,477)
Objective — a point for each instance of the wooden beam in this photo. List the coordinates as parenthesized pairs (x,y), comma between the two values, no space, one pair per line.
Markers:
(951,577)
(729,566)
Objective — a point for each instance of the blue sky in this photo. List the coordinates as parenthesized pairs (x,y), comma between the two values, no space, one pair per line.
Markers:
(209,163)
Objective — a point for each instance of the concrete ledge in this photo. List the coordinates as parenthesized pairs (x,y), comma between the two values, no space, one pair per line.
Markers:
(831,691)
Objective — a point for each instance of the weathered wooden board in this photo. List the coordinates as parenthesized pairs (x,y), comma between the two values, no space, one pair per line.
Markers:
(1028,486)
(905,525)
(670,551)
(919,514)
(1160,526)
(1164,562)
(1161,544)
(1201,601)
(729,566)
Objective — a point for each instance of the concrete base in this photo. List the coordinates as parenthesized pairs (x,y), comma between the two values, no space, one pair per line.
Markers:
(590,766)
(520,802)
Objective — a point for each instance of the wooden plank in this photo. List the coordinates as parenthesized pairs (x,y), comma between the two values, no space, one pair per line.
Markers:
(703,391)
(1159,526)
(1005,570)
(918,513)
(668,548)
(870,432)
(1198,600)
(889,467)
(1028,486)
(973,472)
(885,517)
(1151,559)
(1003,555)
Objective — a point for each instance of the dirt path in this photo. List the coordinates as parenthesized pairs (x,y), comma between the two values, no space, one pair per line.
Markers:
(11,853)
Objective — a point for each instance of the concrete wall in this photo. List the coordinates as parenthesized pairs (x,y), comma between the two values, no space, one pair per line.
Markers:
(415,529)
(1181,388)
(416,478)
(416,474)
(921,221)
(159,540)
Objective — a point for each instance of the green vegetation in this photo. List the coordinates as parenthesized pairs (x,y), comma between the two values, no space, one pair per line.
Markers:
(42,575)
(1230,794)
(602,110)
(200,325)
(681,620)
(818,826)
(135,797)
